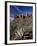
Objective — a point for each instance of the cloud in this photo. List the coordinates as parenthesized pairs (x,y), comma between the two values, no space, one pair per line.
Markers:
(11,18)
(18,9)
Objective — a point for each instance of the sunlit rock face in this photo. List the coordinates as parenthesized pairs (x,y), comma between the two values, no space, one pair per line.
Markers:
(21,27)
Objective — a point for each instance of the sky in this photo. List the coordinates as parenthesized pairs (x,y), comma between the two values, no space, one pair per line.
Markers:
(20,9)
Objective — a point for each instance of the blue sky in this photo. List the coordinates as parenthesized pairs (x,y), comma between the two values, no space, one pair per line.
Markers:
(20,9)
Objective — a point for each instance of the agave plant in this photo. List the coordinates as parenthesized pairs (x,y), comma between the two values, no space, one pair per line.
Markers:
(18,27)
